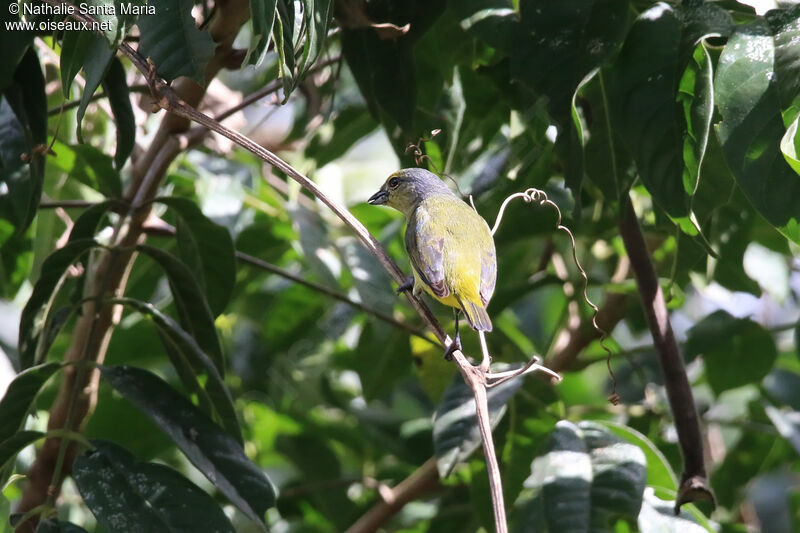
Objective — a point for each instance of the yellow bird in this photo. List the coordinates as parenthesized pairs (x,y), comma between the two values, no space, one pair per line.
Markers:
(450,245)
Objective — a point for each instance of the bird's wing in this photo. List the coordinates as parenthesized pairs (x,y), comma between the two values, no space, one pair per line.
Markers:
(488,271)
(426,252)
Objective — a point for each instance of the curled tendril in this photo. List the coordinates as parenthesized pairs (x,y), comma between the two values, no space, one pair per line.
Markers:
(539,197)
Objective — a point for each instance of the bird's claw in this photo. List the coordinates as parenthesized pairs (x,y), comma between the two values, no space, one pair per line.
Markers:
(455,345)
(407,285)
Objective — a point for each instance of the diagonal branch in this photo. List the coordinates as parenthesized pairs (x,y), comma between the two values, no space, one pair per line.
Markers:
(694,483)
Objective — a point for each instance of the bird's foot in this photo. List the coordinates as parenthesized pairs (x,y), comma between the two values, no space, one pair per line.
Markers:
(407,285)
(455,345)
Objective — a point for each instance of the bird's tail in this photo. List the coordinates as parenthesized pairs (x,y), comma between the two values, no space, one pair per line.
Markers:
(476,315)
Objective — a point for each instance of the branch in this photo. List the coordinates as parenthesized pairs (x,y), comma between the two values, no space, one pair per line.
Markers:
(422,480)
(694,484)
(336,295)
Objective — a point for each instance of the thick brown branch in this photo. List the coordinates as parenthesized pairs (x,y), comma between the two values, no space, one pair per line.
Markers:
(694,485)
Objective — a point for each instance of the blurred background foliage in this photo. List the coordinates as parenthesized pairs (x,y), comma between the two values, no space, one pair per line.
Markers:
(264,371)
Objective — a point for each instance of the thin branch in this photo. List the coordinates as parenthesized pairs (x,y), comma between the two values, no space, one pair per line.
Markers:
(694,484)
(96,96)
(66,204)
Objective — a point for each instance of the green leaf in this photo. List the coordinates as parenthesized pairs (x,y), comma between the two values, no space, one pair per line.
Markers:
(644,103)
(10,447)
(754,86)
(316,16)
(51,525)
(23,126)
(14,43)
(559,45)
(171,39)
(659,471)
(695,93)
(193,358)
(455,424)
(283,35)
(89,166)
(126,495)
(262,17)
(75,48)
(667,142)
(736,351)
(588,477)
(207,248)
(192,305)
(790,142)
(213,451)
(19,397)
(607,160)
(116,87)
(97,60)
(52,273)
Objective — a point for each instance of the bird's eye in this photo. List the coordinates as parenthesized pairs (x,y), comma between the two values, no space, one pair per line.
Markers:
(393,183)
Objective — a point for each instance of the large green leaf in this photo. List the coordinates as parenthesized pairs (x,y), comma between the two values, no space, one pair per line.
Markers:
(126,495)
(755,87)
(189,360)
(650,70)
(171,39)
(53,271)
(96,60)
(116,87)
(212,450)
(207,249)
(588,477)
(192,305)
(455,425)
(736,351)
(23,127)
(559,45)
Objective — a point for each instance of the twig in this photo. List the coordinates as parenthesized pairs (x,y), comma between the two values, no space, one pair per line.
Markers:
(336,295)
(694,484)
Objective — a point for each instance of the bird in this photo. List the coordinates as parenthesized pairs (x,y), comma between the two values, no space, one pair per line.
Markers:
(449,244)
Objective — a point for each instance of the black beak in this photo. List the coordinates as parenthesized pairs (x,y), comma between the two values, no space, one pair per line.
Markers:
(379,198)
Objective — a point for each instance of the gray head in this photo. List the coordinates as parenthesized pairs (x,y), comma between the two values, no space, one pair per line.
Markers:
(406,188)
